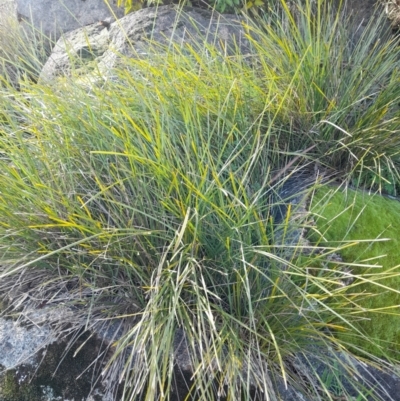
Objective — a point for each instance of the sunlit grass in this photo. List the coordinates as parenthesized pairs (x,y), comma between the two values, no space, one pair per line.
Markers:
(340,95)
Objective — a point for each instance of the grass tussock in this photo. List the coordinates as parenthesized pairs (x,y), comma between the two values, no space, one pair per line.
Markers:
(23,52)
(168,201)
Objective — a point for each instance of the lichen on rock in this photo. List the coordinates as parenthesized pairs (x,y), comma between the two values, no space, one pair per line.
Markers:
(63,370)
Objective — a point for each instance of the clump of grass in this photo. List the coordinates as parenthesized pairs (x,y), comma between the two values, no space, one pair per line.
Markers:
(23,53)
(151,200)
(340,94)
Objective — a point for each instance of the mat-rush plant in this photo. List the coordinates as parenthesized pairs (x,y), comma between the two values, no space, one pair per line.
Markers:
(148,202)
(22,53)
(218,5)
(342,92)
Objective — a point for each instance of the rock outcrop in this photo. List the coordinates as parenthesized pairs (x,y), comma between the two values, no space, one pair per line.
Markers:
(100,45)
(103,44)
(54,17)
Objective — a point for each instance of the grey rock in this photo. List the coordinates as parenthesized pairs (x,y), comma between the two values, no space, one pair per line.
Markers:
(58,374)
(19,344)
(104,45)
(54,17)
(76,50)
(40,363)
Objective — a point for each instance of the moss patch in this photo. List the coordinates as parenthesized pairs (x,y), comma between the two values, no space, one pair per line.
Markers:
(356,216)
(12,390)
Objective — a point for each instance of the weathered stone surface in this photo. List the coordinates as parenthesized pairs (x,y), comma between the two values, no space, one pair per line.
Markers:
(20,344)
(56,16)
(58,371)
(41,362)
(100,46)
(130,36)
